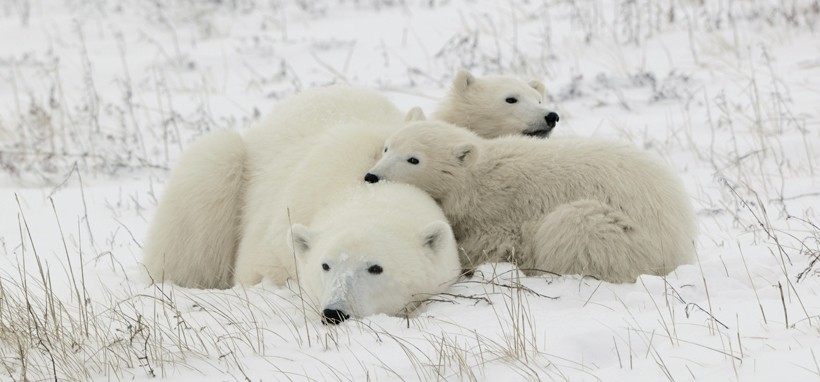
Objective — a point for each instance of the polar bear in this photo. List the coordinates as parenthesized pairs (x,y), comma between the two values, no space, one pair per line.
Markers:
(297,175)
(568,205)
(496,106)
(204,211)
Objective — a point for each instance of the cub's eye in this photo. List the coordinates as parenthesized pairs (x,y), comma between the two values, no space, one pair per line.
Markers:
(511,100)
(385,149)
(375,269)
(413,160)
(325,267)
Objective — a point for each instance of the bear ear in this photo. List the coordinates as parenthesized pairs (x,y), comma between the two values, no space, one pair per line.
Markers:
(537,85)
(437,236)
(466,153)
(299,238)
(462,81)
(415,114)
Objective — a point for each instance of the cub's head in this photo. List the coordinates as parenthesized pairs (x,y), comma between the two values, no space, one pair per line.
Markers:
(387,248)
(495,106)
(431,155)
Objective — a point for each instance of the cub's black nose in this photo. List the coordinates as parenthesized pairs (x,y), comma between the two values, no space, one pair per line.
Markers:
(370,178)
(333,316)
(552,119)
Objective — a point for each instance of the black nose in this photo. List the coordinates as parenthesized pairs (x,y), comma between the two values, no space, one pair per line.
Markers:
(370,178)
(333,316)
(552,119)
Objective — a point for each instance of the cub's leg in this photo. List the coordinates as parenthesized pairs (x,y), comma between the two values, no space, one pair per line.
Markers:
(589,237)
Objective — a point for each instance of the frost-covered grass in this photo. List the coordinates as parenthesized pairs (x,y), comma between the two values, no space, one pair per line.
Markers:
(99,98)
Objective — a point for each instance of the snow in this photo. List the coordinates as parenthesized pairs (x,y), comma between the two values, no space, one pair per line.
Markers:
(99,98)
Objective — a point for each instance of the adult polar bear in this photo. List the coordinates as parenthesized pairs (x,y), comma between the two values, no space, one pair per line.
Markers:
(219,191)
(352,260)
(566,205)
(222,195)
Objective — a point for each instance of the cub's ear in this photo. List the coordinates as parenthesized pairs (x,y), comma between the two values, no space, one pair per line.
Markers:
(465,153)
(537,85)
(415,114)
(438,236)
(462,81)
(299,239)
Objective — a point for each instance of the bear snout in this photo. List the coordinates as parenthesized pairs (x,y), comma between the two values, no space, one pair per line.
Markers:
(371,178)
(333,316)
(551,118)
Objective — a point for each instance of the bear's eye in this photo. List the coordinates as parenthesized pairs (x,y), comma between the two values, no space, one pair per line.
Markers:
(511,100)
(413,160)
(385,149)
(375,269)
(325,267)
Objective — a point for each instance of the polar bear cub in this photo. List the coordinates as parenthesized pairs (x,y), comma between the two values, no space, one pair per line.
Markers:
(569,206)
(496,106)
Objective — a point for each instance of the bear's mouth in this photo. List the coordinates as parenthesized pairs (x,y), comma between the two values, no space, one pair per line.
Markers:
(540,133)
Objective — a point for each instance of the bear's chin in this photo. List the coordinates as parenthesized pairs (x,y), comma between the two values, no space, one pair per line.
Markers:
(540,133)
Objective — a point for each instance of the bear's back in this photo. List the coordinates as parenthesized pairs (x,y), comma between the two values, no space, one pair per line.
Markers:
(561,170)
(331,166)
(280,141)
(571,167)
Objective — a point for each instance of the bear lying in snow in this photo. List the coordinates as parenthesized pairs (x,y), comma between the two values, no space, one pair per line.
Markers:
(566,205)
(226,186)
(308,176)
(222,217)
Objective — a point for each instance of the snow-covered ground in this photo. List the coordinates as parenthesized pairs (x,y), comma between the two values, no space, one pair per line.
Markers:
(99,98)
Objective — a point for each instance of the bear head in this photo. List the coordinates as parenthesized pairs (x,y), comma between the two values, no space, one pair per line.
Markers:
(495,106)
(431,155)
(385,249)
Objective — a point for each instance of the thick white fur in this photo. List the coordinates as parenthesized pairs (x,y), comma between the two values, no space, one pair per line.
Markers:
(565,205)
(194,234)
(479,104)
